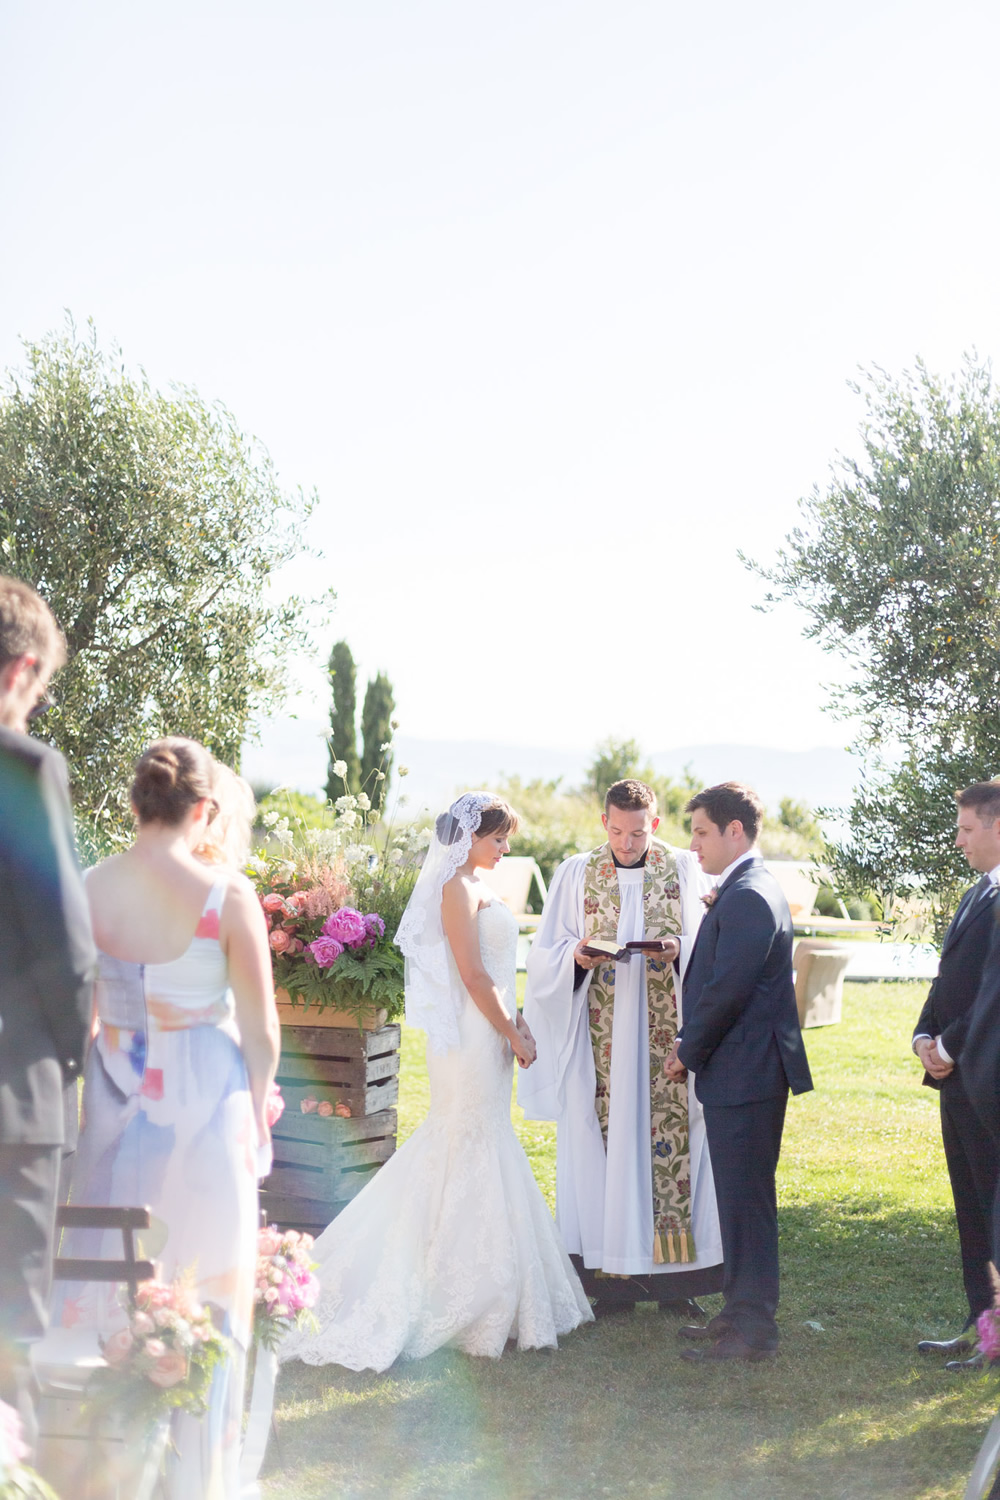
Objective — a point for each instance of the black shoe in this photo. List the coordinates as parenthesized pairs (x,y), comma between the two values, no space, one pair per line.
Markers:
(960,1345)
(685,1307)
(727,1349)
(969,1366)
(715,1328)
(605,1307)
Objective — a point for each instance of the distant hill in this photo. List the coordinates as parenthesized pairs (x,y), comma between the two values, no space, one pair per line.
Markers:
(293,752)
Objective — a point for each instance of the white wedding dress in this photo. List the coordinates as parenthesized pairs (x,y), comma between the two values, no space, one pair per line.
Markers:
(452,1242)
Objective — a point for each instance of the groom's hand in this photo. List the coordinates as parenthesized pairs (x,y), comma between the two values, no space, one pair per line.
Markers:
(674,1068)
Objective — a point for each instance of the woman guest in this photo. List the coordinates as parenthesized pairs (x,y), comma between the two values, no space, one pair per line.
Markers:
(177,1079)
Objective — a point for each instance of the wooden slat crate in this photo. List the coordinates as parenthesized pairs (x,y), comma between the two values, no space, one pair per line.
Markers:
(340,1064)
(321,1164)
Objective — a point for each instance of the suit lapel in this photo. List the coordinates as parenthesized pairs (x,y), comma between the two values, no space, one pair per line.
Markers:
(748,864)
(964,918)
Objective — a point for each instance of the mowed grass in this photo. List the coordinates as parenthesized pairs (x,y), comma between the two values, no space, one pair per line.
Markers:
(869,1266)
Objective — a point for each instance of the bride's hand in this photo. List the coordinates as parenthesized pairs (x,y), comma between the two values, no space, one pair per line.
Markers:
(523,1043)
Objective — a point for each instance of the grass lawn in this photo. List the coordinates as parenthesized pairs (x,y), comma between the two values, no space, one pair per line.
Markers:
(869,1266)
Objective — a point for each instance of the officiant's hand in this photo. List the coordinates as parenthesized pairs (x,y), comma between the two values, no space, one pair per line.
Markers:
(674,1068)
(584,960)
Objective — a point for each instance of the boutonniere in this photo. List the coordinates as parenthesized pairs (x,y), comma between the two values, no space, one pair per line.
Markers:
(710,897)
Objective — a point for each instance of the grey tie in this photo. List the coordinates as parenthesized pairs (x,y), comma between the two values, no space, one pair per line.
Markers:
(985,885)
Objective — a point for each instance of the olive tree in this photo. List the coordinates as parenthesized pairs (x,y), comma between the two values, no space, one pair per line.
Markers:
(154,528)
(897,566)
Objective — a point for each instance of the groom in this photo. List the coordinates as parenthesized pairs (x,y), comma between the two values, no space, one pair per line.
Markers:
(741,1039)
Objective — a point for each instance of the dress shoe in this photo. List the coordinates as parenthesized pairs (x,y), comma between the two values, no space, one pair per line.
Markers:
(960,1345)
(970,1366)
(715,1328)
(727,1349)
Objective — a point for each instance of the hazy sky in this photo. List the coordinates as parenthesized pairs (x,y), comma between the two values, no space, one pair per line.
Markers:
(554,303)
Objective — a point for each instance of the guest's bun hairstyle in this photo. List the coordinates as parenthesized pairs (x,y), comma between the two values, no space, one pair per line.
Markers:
(497,817)
(731,802)
(984,798)
(28,627)
(170,777)
(630,796)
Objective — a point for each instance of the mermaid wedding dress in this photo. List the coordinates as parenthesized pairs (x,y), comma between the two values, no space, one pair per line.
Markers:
(452,1242)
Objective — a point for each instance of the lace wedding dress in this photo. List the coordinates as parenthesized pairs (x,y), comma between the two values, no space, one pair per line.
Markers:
(452,1242)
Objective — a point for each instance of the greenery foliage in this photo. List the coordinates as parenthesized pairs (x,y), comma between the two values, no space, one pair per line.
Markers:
(343,721)
(153,527)
(897,566)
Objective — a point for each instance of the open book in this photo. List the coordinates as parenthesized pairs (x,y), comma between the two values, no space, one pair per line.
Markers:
(610,948)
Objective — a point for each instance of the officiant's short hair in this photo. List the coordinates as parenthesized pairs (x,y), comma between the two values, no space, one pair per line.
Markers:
(731,802)
(27,626)
(630,796)
(984,799)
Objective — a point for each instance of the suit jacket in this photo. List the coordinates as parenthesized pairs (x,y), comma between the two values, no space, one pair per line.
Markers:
(741,1036)
(980,1062)
(47,957)
(948,1007)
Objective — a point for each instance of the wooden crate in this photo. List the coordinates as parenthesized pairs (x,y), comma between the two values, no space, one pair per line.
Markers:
(340,1064)
(321,1164)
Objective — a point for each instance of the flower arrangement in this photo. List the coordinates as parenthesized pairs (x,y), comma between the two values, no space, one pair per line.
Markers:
(332,898)
(17,1481)
(163,1357)
(285,1287)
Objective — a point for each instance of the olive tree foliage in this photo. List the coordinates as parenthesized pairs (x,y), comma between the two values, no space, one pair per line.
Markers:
(897,566)
(153,527)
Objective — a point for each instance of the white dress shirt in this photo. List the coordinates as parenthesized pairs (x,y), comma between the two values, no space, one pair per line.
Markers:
(942,1052)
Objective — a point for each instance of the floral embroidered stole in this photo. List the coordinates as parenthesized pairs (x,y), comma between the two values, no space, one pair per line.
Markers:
(661,899)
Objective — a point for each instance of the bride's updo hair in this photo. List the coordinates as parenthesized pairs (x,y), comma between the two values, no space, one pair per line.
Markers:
(170,777)
(497,817)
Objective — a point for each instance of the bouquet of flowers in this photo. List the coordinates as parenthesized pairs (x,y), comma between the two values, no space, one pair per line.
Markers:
(333,898)
(17,1481)
(162,1358)
(286,1287)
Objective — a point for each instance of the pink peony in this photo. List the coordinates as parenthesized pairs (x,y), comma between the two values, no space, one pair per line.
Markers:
(170,1368)
(274,1106)
(119,1347)
(326,951)
(347,926)
(375,928)
(279,940)
(272,902)
(324,1108)
(307,1105)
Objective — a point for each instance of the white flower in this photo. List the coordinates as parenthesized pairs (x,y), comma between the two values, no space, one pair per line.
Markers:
(340,768)
(402,771)
(270,818)
(347,818)
(379,775)
(383,748)
(396,857)
(344,802)
(364,802)
(354,853)
(256,865)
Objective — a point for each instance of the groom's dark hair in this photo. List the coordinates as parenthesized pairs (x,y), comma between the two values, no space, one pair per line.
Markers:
(984,798)
(731,802)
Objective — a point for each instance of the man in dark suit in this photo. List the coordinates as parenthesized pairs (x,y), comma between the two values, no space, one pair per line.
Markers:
(46,974)
(939,1040)
(742,1041)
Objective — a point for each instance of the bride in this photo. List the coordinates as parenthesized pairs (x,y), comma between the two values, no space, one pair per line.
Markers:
(452,1242)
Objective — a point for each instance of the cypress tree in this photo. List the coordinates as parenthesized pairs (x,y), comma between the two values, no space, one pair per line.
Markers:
(376,731)
(343,730)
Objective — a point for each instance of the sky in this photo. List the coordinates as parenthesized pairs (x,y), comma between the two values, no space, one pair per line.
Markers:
(554,304)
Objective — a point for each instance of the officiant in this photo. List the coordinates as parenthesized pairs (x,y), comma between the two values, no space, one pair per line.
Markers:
(635,1201)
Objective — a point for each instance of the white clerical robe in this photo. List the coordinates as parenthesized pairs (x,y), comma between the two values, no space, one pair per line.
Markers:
(604,1206)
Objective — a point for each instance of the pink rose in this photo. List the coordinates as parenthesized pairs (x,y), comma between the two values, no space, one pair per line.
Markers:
(343,1110)
(326,951)
(119,1347)
(279,940)
(272,902)
(307,1105)
(268,1242)
(299,900)
(347,926)
(170,1369)
(142,1323)
(324,1108)
(295,946)
(155,1348)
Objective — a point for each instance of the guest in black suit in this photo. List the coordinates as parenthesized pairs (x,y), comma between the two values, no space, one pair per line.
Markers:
(742,1041)
(46,969)
(939,1040)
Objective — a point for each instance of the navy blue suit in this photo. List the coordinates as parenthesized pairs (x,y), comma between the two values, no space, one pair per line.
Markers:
(741,1039)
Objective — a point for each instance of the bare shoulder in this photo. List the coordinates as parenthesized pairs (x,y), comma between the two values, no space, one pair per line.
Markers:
(241,901)
(460,895)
